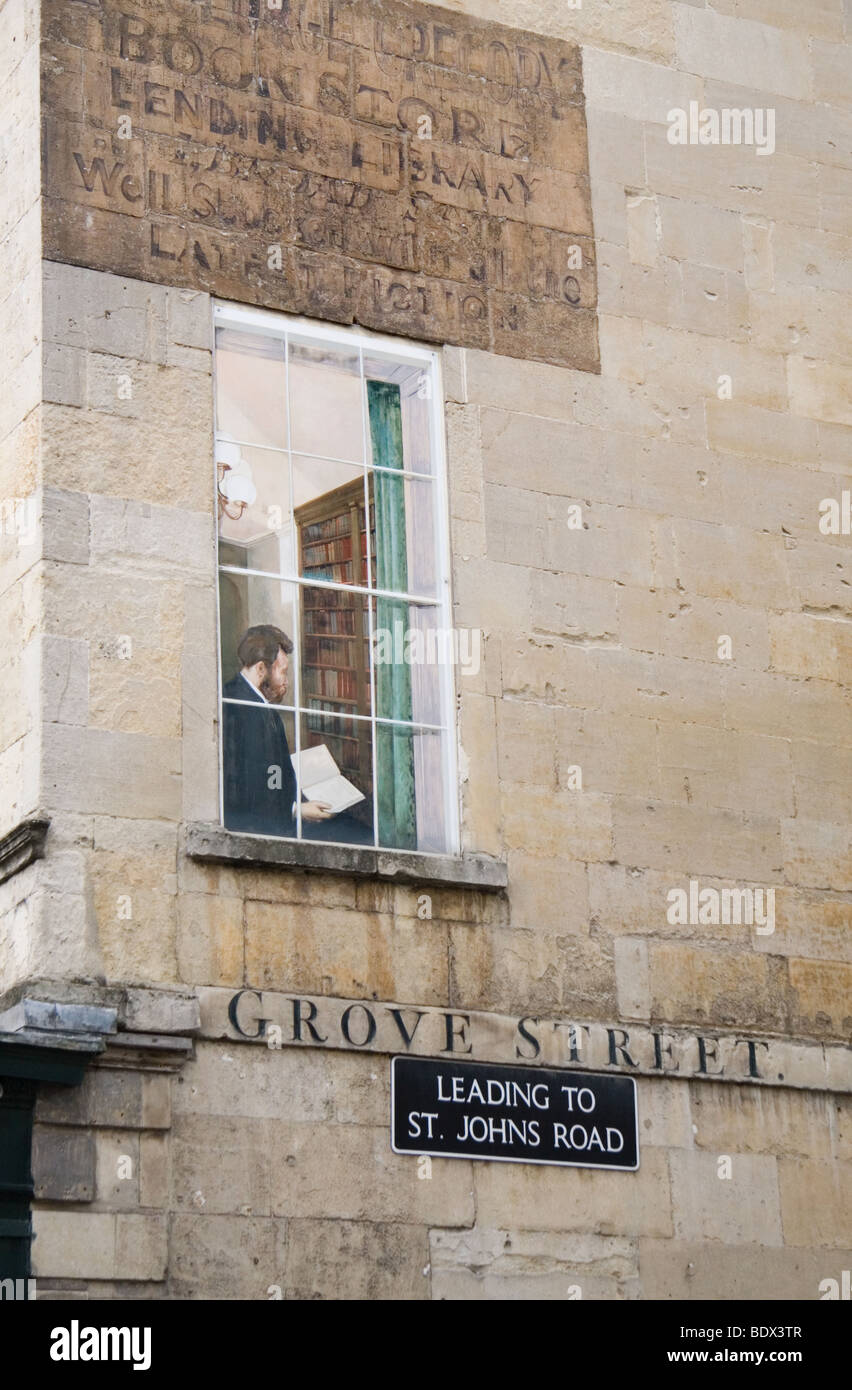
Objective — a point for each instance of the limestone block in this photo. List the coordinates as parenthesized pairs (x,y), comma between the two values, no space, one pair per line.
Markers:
(490,595)
(708,1270)
(500,1264)
(823,775)
(810,925)
(647,686)
(238,1181)
(817,854)
(739,1210)
(118,1169)
(637,90)
(533,971)
(664,1115)
(619,757)
(573,605)
(105,1097)
(643,229)
(734,177)
(210,939)
(63,1164)
(762,434)
(161,1011)
(823,18)
(101,313)
(73,1245)
(739,50)
(823,996)
(481,818)
(136,906)
(306,1087)
(779,706)
(722,768)
(525,744)
(357,1260)
(835,448)
(547,896)
(675,624)
(755,1120)
(65,680)
(154,1170)
(107,772)
(453,372)
(729,562)
(566,461)
(632,983)
(65,526)
(629,898)
(520,1197)
(816,1203)
(650,33)
(190,319)
(350,954)
(820,390)
(446,904)
(104,449)
(819,573)
(161,536)
(811,646)
(573,824)
(714,988)
(350,1173)
(509,383)
(224,1257)
(830,66)
(699,233)
(833,185)
(19,461)
(141,1247)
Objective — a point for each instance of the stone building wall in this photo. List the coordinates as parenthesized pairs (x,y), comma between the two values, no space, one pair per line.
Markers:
(258,1169)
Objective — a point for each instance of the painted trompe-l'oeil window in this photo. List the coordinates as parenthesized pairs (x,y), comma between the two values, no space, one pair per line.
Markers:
(337,697)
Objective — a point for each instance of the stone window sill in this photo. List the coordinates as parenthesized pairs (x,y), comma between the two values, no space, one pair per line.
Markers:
(212,842)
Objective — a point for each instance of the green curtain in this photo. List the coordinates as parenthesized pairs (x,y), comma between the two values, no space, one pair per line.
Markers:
(394,746)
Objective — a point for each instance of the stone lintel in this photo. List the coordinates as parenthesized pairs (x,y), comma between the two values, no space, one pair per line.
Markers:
(211,842)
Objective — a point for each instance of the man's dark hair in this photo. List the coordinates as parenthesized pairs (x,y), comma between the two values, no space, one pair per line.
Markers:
(262,643)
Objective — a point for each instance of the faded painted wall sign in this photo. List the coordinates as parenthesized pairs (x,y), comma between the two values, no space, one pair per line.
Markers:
(391,164)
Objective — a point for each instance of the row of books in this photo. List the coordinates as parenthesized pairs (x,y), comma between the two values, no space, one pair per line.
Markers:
(332,682)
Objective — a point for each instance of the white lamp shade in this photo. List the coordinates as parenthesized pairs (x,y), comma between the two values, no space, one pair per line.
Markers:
(236,487)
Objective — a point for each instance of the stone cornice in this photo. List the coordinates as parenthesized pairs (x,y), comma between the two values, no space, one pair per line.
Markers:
(22,846)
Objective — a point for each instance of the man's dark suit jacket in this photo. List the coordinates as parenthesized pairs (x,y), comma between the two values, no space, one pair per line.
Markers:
(254,744)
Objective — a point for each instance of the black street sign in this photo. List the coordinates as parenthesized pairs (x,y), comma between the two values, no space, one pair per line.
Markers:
(453,1109)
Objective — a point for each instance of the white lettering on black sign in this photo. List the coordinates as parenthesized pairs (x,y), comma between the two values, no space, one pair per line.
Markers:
(455,1109)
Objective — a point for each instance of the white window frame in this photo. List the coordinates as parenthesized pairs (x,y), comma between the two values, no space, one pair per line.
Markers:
(428,360)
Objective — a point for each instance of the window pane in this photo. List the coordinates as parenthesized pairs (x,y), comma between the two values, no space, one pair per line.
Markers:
(415,398)
(331,526)
(245,601)
(410,647)
(326,409)
(337,750)
(255,531)
(258,778)
(251,395)
(409,773)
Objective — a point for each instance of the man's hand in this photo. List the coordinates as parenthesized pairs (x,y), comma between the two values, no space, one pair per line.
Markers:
(316,810)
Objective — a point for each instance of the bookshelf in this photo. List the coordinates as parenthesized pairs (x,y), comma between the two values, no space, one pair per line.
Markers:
(333,534)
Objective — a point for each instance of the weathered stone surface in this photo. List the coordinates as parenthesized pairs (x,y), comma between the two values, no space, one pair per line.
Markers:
(63,1164)
(388,158)
(502,1264)
(739,1209)
(357,1260)
(713,1270)
(225,1257)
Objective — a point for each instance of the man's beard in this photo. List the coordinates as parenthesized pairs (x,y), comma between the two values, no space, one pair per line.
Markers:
(275,695)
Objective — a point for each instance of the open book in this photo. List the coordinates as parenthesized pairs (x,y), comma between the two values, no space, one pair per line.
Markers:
(321,780)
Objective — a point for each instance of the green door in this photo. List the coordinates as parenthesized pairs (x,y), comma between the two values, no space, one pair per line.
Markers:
(16,1179)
